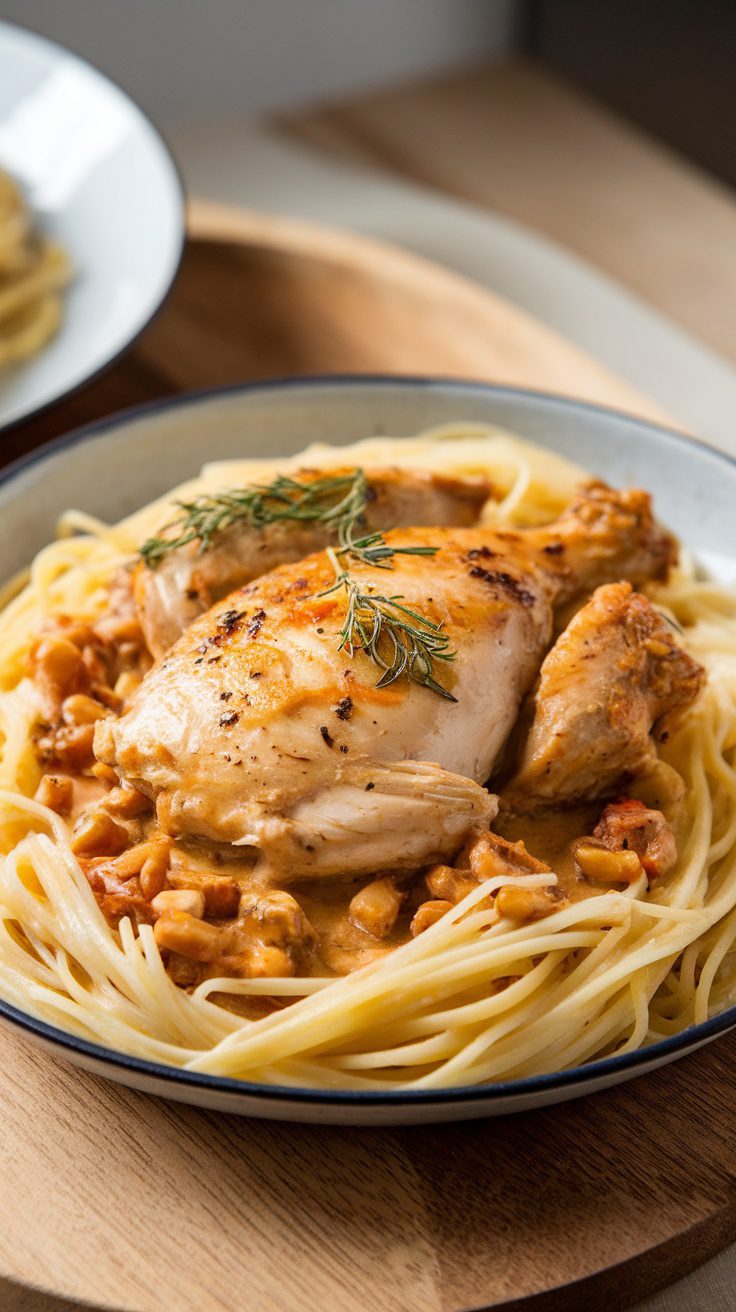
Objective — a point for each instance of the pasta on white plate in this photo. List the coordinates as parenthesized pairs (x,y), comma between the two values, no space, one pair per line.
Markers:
(33,272)
(510,944)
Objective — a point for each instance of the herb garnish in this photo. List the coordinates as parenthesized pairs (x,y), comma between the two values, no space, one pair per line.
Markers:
(398,639)
(338,502)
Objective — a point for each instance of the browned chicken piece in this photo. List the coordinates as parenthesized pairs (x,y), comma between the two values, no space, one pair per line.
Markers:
(604,536)
(629,825)
(258,730)
(486,856)
(450,883)
(171,596)
(270,937)
(615,676)
(490,855)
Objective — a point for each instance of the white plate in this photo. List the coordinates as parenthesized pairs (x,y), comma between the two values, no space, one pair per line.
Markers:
(99,179)
(113,467)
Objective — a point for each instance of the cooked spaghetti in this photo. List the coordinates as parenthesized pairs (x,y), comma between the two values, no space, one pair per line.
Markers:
(33,271)
(505,959)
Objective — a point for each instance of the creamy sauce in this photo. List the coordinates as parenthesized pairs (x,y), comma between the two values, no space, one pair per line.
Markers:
(344,947)
(549,836)
(87,791)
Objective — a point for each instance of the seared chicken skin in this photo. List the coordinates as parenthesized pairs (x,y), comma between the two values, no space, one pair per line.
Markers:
(188,582)
(257,730)
(614,675)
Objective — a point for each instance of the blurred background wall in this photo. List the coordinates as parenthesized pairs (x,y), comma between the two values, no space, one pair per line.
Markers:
(184,58)
(667,65)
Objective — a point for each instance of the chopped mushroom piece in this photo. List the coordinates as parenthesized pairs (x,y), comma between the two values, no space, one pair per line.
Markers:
(118,897)
(221,893)
(80,708)
(376,907)
(271,937)
(514,902)
(73,666)
(190,936)
(492,855)
(153,871)
(604,866)
(56,792)
(629,825)
(98,834)
(70,745)
(428,914)
(179,899)
(448,884)
(127,802)
(488,855)
(266,961)
(155,851)
(278,920)
(57,668)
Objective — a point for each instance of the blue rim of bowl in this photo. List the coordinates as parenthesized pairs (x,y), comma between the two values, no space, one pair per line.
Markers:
(156,132)
(244,1090)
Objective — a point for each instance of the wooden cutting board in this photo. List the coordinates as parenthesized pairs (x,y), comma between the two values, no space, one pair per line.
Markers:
(134,1203)
(263,297)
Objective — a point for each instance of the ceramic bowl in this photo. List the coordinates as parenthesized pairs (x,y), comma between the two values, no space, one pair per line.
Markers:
(111,468)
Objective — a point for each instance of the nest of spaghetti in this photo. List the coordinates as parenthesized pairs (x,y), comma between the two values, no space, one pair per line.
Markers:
(279,844)
(34,271)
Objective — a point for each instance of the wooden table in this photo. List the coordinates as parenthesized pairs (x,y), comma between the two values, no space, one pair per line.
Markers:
(138,1204)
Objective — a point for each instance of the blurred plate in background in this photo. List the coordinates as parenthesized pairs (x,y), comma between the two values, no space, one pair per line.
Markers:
(99,180)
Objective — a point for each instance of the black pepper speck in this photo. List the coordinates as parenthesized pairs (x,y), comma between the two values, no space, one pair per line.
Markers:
(255,624)
(229,620)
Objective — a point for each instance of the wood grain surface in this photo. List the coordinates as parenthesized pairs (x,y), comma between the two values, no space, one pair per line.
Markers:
(262,297)
(137,1204)
(140,1204)
(516,139)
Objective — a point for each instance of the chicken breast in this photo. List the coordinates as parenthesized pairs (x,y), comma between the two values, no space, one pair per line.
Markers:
(257,729)
(614,676)
(187,582)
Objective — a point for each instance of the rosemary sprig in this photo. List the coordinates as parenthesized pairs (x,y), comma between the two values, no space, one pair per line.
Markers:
(338,502)
(398,639)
